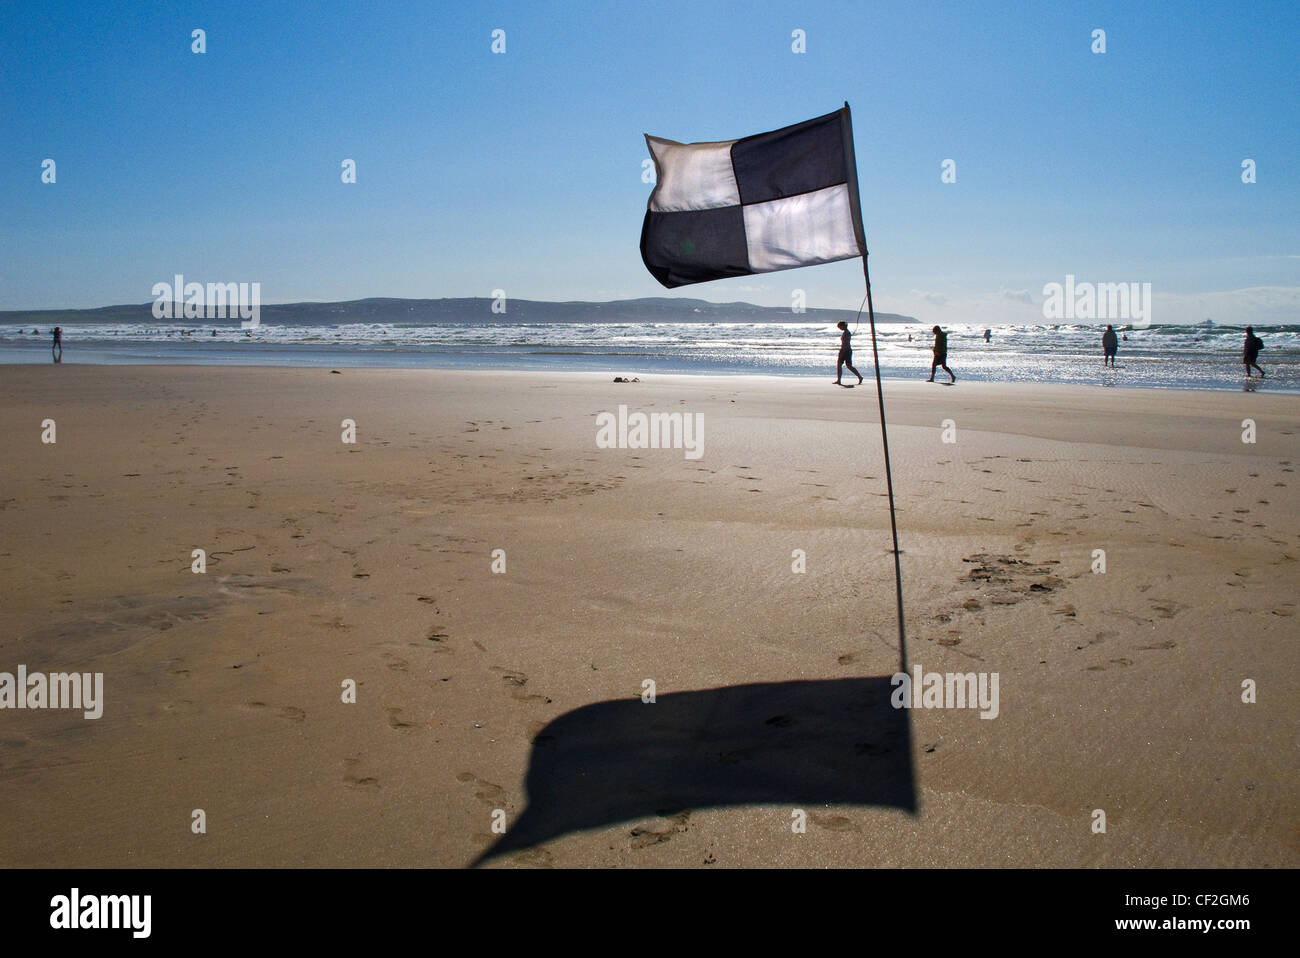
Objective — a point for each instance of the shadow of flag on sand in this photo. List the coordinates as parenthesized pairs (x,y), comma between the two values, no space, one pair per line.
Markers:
(799,744)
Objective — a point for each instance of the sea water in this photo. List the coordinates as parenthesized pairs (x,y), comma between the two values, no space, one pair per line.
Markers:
(1162,356)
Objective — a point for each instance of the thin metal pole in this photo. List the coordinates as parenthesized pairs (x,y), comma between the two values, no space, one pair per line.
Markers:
(889,478)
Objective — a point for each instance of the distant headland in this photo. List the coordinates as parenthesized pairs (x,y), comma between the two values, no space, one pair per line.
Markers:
(656,309)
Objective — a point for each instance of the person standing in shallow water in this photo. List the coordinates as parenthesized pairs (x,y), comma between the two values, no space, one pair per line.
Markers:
(1250,351)
(1109,346)
(940,354)
(56,346)
(846,355)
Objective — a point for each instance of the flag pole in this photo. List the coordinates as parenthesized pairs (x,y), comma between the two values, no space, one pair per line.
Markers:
(889,478)
(880,392)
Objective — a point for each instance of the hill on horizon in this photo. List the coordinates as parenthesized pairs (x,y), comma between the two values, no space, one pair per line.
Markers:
(659,309)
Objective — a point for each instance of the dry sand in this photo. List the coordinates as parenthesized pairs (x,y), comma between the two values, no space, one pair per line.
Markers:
(372,561)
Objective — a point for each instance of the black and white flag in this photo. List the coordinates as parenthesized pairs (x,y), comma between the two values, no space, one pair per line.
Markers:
(767,202)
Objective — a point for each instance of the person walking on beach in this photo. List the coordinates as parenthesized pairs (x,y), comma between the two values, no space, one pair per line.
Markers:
(1109,346)
(56,347)
(940,354)
(846,354)
(1250,351)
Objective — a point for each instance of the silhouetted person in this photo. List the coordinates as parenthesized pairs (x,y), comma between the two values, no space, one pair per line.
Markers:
(940,354)
(1109,346)
(56,346)
(845,357)
(988,335)
(1250,351)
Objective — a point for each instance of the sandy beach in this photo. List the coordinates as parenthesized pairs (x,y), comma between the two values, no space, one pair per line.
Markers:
(521,690)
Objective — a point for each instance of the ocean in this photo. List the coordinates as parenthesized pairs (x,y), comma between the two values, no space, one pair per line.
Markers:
(1161,356)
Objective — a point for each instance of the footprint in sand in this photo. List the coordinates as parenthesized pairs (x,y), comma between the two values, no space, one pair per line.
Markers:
(355,781)
(394,721)
(516,682)
(1102,668)
(643,837)
(287,711)
(848,658)
(396,663)
(486,792)
(535,857)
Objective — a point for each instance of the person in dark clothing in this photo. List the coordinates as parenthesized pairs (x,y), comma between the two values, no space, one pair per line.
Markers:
(56,347)
(846,354)
(940,354)
(1109,346)
(1250,352)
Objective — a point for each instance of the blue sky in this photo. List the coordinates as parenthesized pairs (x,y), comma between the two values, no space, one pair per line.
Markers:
(522,171)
